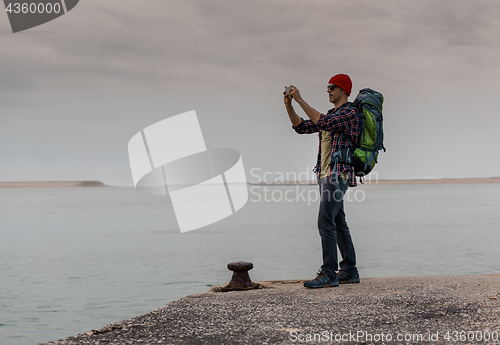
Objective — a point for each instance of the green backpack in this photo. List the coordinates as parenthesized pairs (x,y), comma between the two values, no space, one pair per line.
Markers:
(363,154)
(368,104)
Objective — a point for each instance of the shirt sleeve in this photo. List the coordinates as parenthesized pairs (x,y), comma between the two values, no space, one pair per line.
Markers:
(306,127)
(336,122)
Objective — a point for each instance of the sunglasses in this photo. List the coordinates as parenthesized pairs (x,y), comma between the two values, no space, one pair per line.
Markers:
(331,87)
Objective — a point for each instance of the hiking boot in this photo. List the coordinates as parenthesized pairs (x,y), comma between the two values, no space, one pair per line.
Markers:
(348,278)
(322,280)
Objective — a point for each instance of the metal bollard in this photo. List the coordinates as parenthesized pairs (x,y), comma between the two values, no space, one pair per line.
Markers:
(240,280)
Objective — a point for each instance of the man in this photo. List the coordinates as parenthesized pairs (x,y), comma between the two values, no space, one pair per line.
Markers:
(336,128)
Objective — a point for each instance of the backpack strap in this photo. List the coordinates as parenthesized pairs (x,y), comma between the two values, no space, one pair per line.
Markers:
(336,159)
(370,159)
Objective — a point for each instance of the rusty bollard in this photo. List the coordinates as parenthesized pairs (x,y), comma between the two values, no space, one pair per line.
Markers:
(240,280)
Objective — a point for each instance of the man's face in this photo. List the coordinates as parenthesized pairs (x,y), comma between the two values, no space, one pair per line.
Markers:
(334,93)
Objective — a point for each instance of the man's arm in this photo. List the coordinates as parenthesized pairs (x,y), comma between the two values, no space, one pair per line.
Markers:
(300,125)
(312,113)
(294,118)
(341,121)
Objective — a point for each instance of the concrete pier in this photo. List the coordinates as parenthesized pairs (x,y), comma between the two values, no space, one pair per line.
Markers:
(409,310)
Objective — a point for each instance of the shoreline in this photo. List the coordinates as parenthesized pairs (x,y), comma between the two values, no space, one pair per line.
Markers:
(52,184)
(283,312)
(73,184)
(462,180)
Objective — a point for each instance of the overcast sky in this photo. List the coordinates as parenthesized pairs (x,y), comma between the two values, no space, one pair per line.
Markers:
(74,91)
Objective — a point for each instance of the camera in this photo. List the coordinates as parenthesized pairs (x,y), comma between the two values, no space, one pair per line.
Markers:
(287,89)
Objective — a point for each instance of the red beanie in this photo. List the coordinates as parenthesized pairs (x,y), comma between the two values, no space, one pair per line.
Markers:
(343,81)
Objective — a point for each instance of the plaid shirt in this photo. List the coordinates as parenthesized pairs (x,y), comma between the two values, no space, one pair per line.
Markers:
(343,120)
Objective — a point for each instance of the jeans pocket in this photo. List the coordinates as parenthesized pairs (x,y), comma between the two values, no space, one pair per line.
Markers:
(344,184)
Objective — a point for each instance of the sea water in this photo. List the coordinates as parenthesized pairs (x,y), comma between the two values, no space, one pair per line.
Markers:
(75,259)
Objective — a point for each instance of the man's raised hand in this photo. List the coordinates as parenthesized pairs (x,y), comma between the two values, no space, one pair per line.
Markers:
(287,98)
(294,92)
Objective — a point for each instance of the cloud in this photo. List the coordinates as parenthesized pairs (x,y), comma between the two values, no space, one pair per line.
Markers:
(165,43)
(229,59)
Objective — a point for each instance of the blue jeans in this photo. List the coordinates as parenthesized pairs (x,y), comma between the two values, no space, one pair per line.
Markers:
(333,228)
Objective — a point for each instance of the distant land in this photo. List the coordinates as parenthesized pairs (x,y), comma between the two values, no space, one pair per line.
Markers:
(369,181)
(440,181)
(73,184)
(52,184)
